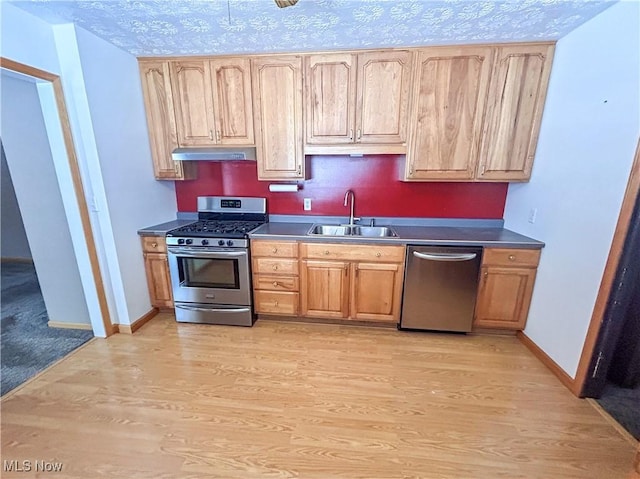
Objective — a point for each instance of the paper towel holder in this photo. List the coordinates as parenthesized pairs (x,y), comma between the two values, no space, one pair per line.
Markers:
(287,187)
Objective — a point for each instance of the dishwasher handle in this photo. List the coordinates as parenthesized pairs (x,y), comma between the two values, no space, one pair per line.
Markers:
(445,256)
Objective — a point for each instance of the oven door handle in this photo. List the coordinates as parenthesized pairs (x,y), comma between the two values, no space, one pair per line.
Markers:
(214,310)
(206,254)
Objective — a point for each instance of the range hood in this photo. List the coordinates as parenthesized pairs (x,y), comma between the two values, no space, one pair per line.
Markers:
(213,154)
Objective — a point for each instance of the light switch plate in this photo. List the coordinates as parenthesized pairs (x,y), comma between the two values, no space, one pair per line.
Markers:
(533,213)
(307,204)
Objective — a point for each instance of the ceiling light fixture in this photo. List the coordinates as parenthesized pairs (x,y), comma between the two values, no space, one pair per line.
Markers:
(285,3)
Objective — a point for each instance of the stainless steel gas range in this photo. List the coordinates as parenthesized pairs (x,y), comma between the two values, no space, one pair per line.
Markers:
(209,261)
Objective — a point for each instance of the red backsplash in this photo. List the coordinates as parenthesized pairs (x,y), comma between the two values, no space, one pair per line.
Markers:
(374,179)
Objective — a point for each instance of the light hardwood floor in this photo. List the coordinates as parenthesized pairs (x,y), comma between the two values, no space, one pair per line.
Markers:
(315,401)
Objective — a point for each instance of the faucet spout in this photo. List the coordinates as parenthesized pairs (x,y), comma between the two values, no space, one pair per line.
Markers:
(352,219)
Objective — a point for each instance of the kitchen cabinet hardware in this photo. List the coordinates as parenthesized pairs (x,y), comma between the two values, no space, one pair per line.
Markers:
(512,257)
(299,169)
(275,284)
(218,136)
(211,135)
(359,134)
(274,250)
(378,254)
(351,133)
(154,245)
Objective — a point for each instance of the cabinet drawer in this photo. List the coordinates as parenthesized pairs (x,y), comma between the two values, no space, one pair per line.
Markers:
(154,244)
(275,283)
(275,302)
(275,249)
(511,257)
(275,266)
(351,252)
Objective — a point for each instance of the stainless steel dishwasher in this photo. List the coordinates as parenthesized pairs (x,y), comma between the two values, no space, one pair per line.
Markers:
(440,287)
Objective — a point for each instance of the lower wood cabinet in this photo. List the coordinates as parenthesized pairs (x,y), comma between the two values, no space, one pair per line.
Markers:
(506,285)
(275,277)
(157,269)
(358,282)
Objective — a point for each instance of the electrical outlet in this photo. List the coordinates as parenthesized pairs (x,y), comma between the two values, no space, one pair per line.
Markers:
(307,204)
(533,213)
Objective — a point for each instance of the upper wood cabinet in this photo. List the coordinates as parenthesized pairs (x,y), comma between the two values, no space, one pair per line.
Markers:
(158,102)
(277,90)
(515,102)
(213,102)
(449,92)
(357,99)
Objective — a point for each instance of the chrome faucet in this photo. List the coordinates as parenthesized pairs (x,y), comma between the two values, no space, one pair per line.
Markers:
(352,219)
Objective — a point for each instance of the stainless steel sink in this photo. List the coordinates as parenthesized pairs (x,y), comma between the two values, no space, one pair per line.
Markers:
(346,230)
(330,230)
(373,231)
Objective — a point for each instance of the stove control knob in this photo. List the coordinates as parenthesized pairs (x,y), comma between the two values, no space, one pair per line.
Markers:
(189,241)
(229,243)
(221,243)
(205,242)
(180,241)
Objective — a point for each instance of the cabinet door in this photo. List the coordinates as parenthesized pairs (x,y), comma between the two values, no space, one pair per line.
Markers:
(158,280)
(383,96)
(158,104)
(277,89)
(515,102)
(504,297)
(376,292)
(330,93)
(231,85)
(324,289)
(193,102)
(450,93)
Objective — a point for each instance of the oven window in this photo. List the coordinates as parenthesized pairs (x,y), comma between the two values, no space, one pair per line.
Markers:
(209,273)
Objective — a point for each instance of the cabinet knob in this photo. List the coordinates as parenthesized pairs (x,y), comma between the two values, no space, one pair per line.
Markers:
(378,254)
(154,245)
(275,267)
(326,252)
(274,250)
(275,284)
(512,257)
(486,273)
(276,304)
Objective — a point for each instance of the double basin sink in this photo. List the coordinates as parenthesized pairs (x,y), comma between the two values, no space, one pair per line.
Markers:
(355,230)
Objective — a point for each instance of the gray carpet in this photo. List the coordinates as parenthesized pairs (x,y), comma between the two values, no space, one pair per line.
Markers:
(624,406)
(27,344)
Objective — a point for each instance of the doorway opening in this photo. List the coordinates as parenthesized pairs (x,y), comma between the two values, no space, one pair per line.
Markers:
(87,313)
(609,368)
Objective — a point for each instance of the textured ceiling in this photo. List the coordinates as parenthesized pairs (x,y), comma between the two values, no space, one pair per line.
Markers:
(191,27)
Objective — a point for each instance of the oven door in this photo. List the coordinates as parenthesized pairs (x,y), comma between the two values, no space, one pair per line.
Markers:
(210,275)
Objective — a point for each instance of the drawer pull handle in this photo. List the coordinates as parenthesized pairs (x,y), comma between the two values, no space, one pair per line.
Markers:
(154,245)
(378,254)
(275,267)
(276,304)
(274,250)
(512,257)
(275,284)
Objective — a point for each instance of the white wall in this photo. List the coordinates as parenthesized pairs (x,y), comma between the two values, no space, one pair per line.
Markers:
(587,141)
(29,158)
(27,39)
(134,198)
(12,234)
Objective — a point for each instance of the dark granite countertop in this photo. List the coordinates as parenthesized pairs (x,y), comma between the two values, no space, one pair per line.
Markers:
(418,235)
(162,228)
